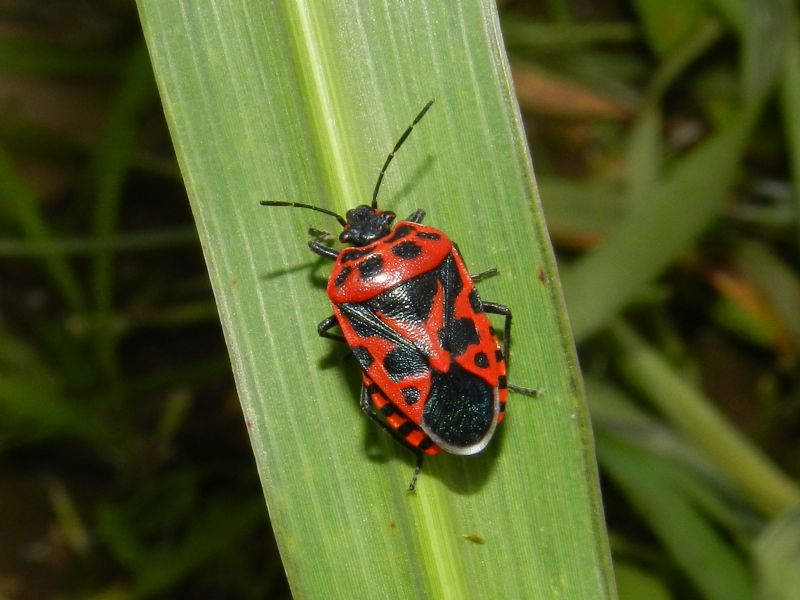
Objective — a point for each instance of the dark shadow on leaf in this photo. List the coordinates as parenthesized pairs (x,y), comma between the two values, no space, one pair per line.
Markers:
(278,273)
(466,475)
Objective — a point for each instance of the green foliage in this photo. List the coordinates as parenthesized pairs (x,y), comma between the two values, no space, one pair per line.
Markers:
(666,139)
(777,551)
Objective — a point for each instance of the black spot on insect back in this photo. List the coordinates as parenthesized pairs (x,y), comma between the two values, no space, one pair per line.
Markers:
(458,335)
(481,360)
(475,301)
(401,362)
(426,235)
(401,232)
(410,301)
(342,276)
(410,394)
(353,254)
(370,267)
(407,250)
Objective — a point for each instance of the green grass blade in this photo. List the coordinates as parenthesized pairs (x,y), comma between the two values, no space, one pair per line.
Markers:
(19,201)
(790,107)
(107,172)
(635,583)
(31,58)
(522,33)
(708,560)
(777,552)
(677,209)
(761,481)
(148,240)
(617,415)
(673,212)
(301,101)
(682,16)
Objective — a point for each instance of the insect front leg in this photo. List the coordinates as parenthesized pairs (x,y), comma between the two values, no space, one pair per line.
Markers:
(416,216)
(369,410)
(484,275)
(323,329)
(317,246)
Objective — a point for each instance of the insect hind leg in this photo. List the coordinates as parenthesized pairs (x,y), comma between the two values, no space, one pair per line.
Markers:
(369,410)
(530,392)
(413,483)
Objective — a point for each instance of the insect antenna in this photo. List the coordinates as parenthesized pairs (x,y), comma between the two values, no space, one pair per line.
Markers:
(399,143)
(342,220)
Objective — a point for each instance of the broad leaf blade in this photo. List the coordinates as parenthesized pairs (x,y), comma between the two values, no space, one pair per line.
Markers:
(301,101)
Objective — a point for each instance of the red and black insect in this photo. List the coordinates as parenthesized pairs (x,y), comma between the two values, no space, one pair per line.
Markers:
(434,372)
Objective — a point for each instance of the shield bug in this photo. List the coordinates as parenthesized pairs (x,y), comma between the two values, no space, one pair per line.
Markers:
(434,372)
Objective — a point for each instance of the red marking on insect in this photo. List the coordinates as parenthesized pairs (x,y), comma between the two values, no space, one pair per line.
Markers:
(434,372)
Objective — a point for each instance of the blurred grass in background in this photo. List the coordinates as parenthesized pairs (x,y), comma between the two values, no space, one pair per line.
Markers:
(666,140)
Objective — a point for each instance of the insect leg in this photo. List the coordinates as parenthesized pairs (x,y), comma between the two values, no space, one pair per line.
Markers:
(320,234)
(369,410)
(324,251)
(413,483)
(416,216)
(501,309)
(484,275)
(317,247)
(324,327)
(532,392)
